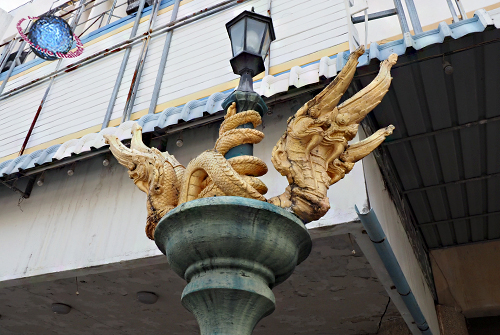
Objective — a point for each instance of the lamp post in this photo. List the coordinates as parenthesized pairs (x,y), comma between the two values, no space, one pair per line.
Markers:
(251,35)
(233,250)
(211,219)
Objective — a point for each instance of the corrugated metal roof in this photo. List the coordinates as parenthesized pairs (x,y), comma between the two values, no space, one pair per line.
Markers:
(445,148)
(151,122)
(268,86)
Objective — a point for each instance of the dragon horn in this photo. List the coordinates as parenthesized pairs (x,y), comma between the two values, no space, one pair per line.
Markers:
(136,142)
(330,96)
(357,151)
(363,102)
(122,154)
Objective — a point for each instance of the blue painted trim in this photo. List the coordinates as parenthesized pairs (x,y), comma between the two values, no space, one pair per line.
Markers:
(91,36)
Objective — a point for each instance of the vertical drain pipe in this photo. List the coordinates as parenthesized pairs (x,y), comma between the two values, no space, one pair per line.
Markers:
(163,61)
(384,249)
(134,84)
(415,22)
(45,95)
(121,71)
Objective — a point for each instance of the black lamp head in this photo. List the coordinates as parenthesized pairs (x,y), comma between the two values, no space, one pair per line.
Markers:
(251,35)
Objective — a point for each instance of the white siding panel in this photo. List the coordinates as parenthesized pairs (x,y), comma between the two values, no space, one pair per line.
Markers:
(194,6)
(77,100)
(26,78)
(199,54)
(15,110)
(149,73)
(324,24)
(126,81)
(164,18)
(304,27)
(17,113)
(187,71)
(306,49)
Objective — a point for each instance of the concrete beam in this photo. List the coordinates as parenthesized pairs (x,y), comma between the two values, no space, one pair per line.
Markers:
(458,269)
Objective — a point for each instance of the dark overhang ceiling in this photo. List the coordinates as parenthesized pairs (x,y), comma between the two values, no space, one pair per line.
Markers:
(445,151)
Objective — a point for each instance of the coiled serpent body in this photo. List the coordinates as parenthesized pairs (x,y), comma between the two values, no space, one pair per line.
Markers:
(210,174)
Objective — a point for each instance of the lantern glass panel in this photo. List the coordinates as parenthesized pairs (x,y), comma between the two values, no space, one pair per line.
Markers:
(238,37)
(266,43)
(255,33)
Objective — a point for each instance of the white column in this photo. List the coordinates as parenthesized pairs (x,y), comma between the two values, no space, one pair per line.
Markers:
(95,12)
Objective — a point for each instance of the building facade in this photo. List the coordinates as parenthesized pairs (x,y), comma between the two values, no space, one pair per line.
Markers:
(70,228)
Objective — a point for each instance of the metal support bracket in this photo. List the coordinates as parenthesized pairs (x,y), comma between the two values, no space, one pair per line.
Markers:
(27,191)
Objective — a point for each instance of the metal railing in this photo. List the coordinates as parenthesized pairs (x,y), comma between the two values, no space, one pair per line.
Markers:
(126,45)
(461,10)
(108,13)
(47,90)
(357,6)
(7,48)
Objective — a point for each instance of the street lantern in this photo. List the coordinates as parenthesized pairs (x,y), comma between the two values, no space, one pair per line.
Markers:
(251,35)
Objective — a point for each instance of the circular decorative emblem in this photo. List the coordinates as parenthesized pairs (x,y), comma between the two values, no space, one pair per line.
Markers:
(50,38)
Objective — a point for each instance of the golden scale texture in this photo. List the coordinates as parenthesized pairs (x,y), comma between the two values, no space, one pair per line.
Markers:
(313,153)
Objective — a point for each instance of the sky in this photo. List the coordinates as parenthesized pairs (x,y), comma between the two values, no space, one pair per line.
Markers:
(8,5)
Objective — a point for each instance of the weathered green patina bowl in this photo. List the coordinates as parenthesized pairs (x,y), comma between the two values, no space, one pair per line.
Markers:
(231,251)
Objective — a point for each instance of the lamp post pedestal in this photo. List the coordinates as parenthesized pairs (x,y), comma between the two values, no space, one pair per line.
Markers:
(231,251)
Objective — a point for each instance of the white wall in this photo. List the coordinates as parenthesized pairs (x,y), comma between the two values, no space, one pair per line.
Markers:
(5,21)
(387,214)
(85,220)
(77,100)
(303,27)
(197,61)
(199,53)
(28,9)
(16,124)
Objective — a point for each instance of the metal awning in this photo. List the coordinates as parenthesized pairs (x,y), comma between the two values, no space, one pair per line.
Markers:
(445,151)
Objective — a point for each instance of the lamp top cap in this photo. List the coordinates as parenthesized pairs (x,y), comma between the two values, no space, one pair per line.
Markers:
(254,16)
